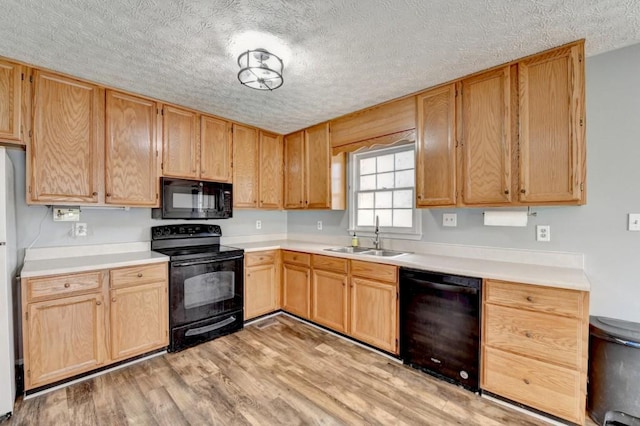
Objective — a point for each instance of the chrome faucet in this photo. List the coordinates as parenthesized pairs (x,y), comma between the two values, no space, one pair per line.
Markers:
(377,244)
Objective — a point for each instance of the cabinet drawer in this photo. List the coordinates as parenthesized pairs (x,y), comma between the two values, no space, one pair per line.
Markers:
(330,263)
(544,299)
(62,285)
(260,258)
(376,271)
(296,258)
(138,275)
(556,390)
(546,337)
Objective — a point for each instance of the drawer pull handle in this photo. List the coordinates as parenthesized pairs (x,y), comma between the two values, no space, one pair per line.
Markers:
(139,274)
(98,303)
(67,285)
(529,299)
(528,334)
(527,382)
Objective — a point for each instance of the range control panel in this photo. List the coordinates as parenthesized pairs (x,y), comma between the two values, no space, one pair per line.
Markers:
(166,232)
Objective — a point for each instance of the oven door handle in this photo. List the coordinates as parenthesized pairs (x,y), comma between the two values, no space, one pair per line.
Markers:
(200,262)
(208,328)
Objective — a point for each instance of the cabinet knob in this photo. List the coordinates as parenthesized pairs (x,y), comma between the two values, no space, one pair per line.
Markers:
(420,197)
(108,194)
(523,190)
(506,192)
(526,381)
(203,172)
(67,285)
(98,303)
(113,300)
(95,194)
(139,274)
(528,334)
(529,299)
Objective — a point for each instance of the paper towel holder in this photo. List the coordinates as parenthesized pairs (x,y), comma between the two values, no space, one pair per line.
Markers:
(529,212)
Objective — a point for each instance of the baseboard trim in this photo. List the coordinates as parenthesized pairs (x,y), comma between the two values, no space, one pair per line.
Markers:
(524,410)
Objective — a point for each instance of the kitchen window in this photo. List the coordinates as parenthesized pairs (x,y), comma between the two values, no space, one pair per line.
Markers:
(383,185)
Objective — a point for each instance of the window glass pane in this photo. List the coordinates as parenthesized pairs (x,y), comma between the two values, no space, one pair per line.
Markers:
(385,216)
(365,200)
(402,199)
(365,218)
(383,200)
(403,218)
(385,180)
(385,163)
(404,160)
(367,166)
(367,182)
(405,179)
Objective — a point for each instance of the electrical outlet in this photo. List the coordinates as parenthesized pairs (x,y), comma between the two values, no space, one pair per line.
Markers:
(634,222)
(79,229)
(543,233)
(258,224)
(449,219)
(319,225)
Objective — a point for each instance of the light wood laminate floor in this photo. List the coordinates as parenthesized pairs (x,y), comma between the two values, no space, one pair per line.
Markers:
(276,372)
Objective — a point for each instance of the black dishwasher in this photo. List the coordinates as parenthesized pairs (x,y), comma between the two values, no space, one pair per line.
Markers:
(440,325)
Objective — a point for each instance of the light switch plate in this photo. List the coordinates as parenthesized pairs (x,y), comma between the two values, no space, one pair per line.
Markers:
(634,221)
(66,214)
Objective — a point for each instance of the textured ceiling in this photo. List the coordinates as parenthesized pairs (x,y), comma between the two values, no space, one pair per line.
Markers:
(340,55)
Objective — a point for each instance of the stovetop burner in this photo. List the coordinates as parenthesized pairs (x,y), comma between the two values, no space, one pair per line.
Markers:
(181,242)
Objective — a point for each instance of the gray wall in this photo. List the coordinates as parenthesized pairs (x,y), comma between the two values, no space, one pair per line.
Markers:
(598,229)
(116,225)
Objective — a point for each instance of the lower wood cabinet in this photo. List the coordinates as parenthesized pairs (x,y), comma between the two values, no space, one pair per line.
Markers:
(296,283)
(261,283)
(535,346)
(75,323)
(330,293)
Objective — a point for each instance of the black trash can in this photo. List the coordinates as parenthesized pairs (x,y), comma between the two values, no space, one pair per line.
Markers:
(614,371)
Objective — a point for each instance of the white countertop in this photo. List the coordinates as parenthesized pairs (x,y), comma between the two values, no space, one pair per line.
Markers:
(68,265)
(552,276)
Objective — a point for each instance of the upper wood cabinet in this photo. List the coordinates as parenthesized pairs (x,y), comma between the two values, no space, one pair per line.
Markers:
(131,160)
(245,170)
(180,143)
(486,138)
(65,154)
(215,149)
(552,147)
(314,179)
(436,157)
(11,76)
(270,171)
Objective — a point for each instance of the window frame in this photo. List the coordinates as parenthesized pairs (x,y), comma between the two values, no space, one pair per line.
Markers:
(413,233)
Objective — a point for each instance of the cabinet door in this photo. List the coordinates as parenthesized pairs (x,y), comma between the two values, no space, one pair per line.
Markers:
(374,313)
(260,290)
(294,173)
(486,138)
(436,161)
(552,147)
(139,319)
(296,291)
(318,167)
(245,167)
(215,149)
(10,101)
(68,137)
(330,295)
(270,179)
(131,151)
(179,143)
(65,337)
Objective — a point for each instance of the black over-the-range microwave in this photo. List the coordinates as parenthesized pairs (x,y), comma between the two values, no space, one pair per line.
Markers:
(193,199)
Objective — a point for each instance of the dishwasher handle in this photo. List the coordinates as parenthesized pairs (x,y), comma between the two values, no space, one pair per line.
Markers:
(414,284)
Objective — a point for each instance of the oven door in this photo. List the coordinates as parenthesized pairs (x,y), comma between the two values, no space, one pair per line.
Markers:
(205,288)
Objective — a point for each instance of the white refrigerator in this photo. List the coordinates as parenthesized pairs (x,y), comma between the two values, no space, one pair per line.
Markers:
(8,262)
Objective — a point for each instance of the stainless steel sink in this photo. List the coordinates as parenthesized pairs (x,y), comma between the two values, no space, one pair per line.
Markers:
(366,250)
(384,253)
(348,249)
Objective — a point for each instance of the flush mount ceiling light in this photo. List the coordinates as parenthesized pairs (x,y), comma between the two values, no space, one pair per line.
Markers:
(260,70)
